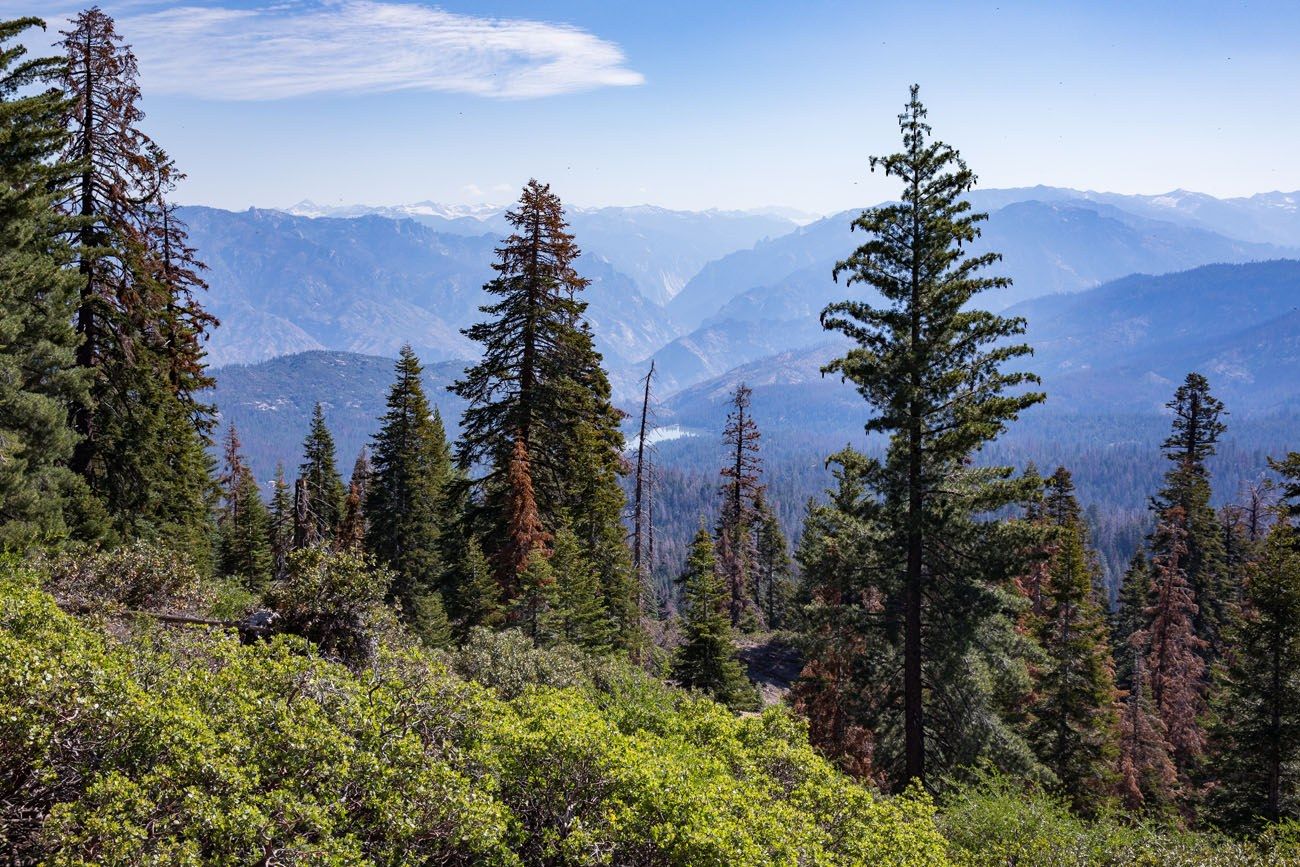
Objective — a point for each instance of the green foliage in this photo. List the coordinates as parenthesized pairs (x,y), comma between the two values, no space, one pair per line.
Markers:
(932,367)
(994,822)
(244,535)
(137,577)
(335,599)
(1255,741)
(578,615)
(317,516)
(706,659)
(194,749)
(407,497)
(38,376)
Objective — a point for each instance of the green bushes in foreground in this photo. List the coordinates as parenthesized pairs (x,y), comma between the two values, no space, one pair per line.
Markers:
(152,745)
(186,747)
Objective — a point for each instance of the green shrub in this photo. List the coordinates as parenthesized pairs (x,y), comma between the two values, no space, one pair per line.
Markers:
(187,747)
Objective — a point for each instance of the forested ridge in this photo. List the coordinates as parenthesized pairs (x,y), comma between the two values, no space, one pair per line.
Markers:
(490,641)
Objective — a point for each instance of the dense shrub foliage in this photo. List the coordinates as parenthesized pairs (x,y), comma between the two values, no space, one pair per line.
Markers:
(188,747)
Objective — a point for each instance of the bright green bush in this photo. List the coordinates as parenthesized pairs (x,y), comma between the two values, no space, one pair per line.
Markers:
(186,747)
(994,822)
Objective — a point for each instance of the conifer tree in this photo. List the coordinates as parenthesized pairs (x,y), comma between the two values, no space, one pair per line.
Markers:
(1256,736)
(1174,663)
(540,386)
(1148,778)
(1289,487)
(320,507)
(772,567)
(741,487)
(1195,432)
(408,491)
(1074,724)
(143,433)
(707,659)
(1130,616)
(353,526)
(578,615)
(479,602)
(930,364)
(280,532)
(39,497)
(243,525)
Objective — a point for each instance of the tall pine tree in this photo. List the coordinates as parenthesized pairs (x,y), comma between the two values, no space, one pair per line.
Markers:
(931,365)
(741,488)
(706,659)
(408,491)
(1196,429)
(39,497)
(539,385)
(143,433)
(1256,735)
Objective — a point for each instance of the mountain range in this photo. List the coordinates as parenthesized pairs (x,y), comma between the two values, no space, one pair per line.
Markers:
(700,292)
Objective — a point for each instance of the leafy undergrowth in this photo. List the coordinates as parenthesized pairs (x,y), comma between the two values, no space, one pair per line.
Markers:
(168,746)
(187,747)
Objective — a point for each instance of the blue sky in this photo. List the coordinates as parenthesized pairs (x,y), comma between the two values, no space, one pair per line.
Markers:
(706,104)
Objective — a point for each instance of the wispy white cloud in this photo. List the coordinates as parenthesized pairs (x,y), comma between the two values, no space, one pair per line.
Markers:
(364,46)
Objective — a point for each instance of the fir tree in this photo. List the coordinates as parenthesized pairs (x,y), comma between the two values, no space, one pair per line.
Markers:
(1130,617)
(408,491)
(1148,778)
(527,540)
(143,433)
(1074,724)
(741,487)
(243,525)
(930,364)
(707,659)
(578,615)
(38,295)
(320,507)
(1256,736)
(540,387)
(280,532)
(1177,671)
(774,587)
(1193,438)
(479,602)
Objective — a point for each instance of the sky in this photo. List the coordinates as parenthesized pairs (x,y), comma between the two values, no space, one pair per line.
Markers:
(704,104)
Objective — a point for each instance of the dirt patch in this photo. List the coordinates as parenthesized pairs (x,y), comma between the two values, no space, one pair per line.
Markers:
(773,664)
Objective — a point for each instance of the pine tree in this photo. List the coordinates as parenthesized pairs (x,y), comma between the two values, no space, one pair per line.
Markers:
(407,499)
(741,487)
(143,433)
(1074,724)
(353,527)
(1148,778)
(39,497)
(1177,671)
(280,533)
(578,615)
(1130,617)
(479,602)
(1289,469)
(527,540)
(774,587)
(930,364)
(321,504)
(1195,433)
(243,524)
(540,385)
(1256,736)
(707,659)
